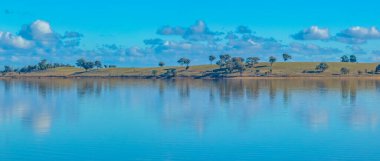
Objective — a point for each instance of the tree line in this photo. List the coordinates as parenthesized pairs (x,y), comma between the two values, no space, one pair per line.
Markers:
(231,64)
(40,66)
(226,63)
(45,65)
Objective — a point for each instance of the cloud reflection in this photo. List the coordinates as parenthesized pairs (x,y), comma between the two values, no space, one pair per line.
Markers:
(198,104)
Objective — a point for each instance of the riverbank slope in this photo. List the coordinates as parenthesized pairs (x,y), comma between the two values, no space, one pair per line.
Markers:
(281,69)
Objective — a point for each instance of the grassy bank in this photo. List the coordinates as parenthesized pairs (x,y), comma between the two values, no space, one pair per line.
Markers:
(281,69)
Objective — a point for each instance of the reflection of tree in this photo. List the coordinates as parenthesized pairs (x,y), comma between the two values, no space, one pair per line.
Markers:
(286,94)
(344,89)
(348,90)
(353,88)
(184,89)
(85,87)
(253,91)
(191,102)
(272,91)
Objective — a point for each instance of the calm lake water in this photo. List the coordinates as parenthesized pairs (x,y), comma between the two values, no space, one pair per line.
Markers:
(123,119)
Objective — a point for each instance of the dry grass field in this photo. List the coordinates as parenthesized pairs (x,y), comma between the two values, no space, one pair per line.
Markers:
(279,69)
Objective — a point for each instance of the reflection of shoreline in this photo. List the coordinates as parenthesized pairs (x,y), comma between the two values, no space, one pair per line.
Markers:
(195,103)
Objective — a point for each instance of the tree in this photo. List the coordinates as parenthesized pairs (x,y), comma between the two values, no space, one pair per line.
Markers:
(89,65)
(219,63)
(252,61)
(98,64)
(184,61)
(377,70)
(7,69)
(353,59)
(224,60)
(344,58)
(80,62)
(344,71)
(85,64)
(161,64)
(42,65)
(181,61)
(211,58)
(322,67)
(238,63)
(286,57)
(272,60)
(187,62)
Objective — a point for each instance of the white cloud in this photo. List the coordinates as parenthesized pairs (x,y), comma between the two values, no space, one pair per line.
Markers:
(9,41)
(243,30)
(361,32)
(308,49)
(357,49)
(357,35)
(196,32)
(41,27)
(312,33)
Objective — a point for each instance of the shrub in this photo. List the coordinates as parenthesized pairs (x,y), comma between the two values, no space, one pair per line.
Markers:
(322,67)
(154,72)
(344,71)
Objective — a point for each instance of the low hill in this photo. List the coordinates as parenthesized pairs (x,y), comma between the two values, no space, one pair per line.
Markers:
(279,69)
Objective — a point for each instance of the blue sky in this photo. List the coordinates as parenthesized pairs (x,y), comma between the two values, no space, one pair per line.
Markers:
(114,30)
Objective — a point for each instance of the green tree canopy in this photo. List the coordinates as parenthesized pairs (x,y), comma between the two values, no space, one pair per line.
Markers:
(211,58)
(161,64)
(286,57)
(344,58)
(353,59)
(322,67)
(272,60)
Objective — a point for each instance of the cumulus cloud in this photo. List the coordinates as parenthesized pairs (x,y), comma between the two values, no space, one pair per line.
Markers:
(39,40)
(9,41)
(72,34)
(243,30)
(36,30)
(357,35)
(41,34)
(308,49)
(196,32)
(251,44)
(154,42)
(355,49)
(231,36)
(312,33)
(200,32)
(36,40)
(168,30)
(71,43)
(361,33)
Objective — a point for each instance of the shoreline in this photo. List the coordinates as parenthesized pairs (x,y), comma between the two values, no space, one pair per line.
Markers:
(280,70)
(273,77)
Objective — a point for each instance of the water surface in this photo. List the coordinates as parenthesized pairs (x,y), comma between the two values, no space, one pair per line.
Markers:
(123,119)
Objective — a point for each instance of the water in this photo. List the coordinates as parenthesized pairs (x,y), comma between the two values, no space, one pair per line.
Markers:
(119,119)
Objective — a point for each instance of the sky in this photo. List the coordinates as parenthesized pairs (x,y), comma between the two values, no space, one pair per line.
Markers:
(136,33)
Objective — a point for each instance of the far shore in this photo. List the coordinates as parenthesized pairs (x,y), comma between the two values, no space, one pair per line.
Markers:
(375,77)
(280,70)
